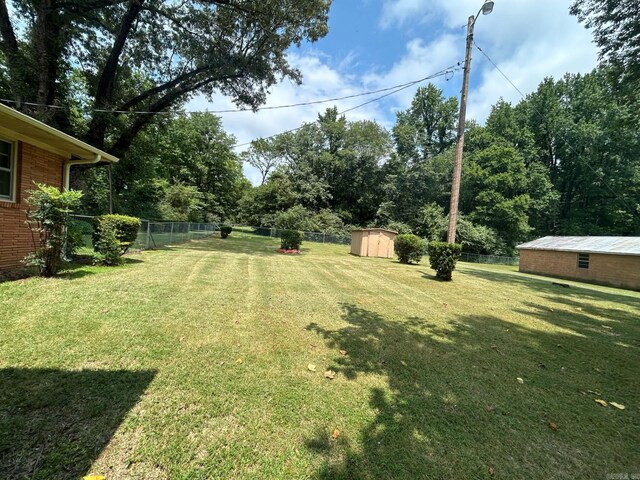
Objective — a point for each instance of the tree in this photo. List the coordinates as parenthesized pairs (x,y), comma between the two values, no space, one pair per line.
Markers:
(197,151)
(262,155)
(428,127)
(150,55)
(616,28)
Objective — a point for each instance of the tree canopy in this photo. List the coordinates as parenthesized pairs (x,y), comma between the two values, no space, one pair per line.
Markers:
(145,55)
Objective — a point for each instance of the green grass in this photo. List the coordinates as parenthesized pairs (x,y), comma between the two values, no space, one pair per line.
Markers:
(191,363)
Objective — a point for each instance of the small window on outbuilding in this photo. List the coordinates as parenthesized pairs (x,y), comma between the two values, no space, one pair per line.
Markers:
(583,260)
(7,167)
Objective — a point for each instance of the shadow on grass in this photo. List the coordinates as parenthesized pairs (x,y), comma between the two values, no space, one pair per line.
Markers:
(554,286)
(55,423)
(453,406)
(83,267)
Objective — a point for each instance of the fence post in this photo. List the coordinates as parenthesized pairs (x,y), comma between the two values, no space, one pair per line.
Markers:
(147,242)
(324,237)
(171,237)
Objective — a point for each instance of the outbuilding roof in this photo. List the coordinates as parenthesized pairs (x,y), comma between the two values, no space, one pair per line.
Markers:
(22,127)
(604,245)
(374,230)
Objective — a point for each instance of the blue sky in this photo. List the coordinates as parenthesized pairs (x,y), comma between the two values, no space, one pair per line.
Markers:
(374,44)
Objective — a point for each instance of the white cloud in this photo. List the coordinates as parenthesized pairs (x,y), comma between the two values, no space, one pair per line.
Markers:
(528,39)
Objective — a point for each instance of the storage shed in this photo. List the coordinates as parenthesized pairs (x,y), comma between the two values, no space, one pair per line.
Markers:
(373,242)
(613,261)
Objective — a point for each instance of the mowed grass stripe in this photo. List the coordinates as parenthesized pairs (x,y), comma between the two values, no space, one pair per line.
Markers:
(228,327)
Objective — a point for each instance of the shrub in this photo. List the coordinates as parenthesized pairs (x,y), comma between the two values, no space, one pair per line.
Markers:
(225,230)
(409,248)
(76,231)
(291,239)
(124,228)
(48,218)
(108,249)
(443,257)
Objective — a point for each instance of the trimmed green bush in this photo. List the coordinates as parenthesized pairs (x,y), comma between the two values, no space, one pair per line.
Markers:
(443,257)
(225,230)
(409,248)
(125,229)
(291,239)
(108,249)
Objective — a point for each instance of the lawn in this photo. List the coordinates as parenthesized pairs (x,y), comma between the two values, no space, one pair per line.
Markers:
(193,362)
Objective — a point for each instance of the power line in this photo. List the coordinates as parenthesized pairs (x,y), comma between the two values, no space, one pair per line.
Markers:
(575,152)
(236,110)
(450,70)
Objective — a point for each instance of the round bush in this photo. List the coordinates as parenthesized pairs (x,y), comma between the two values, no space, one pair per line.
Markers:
(124,227)
(443,257)
(291,239)
(409,248)
(225,230)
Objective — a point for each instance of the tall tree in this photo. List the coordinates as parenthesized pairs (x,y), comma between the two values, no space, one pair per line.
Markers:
(616,28)
(264,156)
(150,55)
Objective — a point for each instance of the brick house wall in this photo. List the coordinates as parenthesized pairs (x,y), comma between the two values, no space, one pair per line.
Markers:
(604,269)
(34,165)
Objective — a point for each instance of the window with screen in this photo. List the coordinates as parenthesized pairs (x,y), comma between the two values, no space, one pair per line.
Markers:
(583,260)
(6,170)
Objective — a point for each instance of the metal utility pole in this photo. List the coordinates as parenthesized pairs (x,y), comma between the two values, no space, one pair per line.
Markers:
(486,9)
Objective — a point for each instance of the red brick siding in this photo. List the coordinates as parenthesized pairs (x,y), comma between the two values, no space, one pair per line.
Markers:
(614,270)
(34,165)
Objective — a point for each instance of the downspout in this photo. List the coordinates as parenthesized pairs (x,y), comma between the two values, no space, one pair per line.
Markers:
(79,161)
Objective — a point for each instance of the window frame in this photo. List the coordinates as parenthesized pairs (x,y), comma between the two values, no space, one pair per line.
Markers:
(13,167)
(583,259)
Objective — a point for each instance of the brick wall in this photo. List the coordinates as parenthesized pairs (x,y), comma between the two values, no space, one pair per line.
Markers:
(614,270)
(34,165)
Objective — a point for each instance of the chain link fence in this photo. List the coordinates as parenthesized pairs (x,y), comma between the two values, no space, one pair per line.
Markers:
(152,234)
(319,237)
(489,259)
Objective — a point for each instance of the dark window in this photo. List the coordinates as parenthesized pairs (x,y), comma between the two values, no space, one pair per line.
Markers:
(583,260)
(6,170)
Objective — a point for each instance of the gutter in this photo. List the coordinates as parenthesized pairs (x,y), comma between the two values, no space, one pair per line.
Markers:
(80,161)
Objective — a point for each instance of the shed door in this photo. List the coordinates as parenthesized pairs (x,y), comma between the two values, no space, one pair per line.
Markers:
(383,245)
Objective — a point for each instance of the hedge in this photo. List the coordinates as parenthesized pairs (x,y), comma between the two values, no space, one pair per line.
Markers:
(443,257)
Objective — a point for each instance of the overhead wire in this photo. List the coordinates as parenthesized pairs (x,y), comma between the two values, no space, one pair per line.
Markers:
(444,72)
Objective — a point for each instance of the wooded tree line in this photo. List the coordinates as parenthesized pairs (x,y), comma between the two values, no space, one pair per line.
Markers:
(565,160)
(562,161)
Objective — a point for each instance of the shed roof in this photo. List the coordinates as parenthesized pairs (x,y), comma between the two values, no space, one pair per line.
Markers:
(23,127)
(373,230)
(605,245)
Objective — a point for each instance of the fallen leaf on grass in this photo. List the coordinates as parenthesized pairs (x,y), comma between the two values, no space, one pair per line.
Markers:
(403,363)
(311,367)
(592,392)
(343,353)
(617,405)
(552,425)
(335,434)
(600,402)
(520,380)
(239,361)
(489,408)
(330,374)
(492,470)
(94,477)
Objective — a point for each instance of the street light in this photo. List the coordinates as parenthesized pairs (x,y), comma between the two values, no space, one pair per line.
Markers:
(486,9)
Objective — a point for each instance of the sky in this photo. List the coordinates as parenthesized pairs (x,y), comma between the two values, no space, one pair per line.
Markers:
(374,44)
